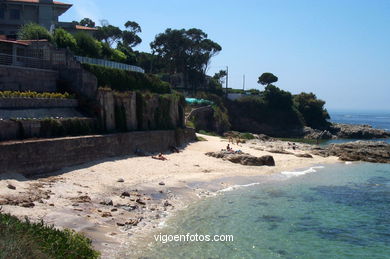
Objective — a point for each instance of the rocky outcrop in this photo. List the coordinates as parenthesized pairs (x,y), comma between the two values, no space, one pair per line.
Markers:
(310,133)
(243,158)
(368,151)
(351,131)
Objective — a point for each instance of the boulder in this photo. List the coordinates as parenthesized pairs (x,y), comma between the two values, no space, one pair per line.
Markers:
(243,158)
(351,131)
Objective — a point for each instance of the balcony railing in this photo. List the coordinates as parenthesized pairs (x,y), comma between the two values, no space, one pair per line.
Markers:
(110,64)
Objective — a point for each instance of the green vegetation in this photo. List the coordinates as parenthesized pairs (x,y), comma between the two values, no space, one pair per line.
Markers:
(208,133)
(23,239)
(312,110)
(64,39)
(267,79)
(246,135)
(32,94)
(122,80)
(32,31)
(199,138)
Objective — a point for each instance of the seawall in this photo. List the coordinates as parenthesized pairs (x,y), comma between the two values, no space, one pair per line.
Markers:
(32,157)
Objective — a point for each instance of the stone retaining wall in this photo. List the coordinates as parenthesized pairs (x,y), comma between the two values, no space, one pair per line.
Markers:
(25,103)
(28,79)
(48,155)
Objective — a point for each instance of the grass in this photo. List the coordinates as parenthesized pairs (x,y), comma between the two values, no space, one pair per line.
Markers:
(199,138)
(303,140)
(208,133)
(23,239)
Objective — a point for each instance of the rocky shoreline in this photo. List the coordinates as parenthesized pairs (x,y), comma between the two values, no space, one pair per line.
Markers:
(346,131)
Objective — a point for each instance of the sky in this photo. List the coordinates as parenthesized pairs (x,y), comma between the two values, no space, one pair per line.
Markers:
(337,49)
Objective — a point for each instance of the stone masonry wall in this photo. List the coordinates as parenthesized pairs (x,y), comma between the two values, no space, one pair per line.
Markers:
(28,79)
(24,103)
(48,155)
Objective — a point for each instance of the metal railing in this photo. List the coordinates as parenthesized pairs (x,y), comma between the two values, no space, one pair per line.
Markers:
(110,64)
(23,61)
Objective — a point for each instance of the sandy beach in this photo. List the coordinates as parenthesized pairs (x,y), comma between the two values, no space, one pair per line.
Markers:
(118,202)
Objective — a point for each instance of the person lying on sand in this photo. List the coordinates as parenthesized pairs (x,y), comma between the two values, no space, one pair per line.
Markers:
(160,157)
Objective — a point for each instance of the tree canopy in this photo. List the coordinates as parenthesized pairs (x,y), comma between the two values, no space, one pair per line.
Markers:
(312,110)
(185,50)
(267,79)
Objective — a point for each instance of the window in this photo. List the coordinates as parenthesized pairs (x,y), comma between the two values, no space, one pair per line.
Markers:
(2,13)
(14,14)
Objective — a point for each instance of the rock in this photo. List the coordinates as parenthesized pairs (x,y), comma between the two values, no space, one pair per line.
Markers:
(28,205)
(368,151)
(244,159)
(351,131)
(167,203)
(106,214)
(113,210)
(10,186)
(280,151)
(120,180)
(306,155)
(161,183)
(125,194)
(120,224)
(310,133)
(140,201)
(107,202)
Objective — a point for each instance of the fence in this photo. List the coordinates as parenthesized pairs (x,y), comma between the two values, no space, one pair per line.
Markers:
(23,61)
(111,64)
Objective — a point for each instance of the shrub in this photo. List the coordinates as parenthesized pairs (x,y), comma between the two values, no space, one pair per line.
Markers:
(87,45)
(122,80)
(312,110)
(32,94)
(23,239)
(33,31)
(64,39)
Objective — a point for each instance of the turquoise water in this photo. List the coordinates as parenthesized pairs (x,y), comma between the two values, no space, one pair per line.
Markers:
(339,211)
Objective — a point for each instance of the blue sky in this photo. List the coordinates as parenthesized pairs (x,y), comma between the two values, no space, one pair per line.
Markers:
(338,49)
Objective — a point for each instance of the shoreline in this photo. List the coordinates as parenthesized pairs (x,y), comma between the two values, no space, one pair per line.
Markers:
(118,202)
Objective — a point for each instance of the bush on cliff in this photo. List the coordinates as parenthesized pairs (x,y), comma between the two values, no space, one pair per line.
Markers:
(122,80)
(23,239)
(312,110)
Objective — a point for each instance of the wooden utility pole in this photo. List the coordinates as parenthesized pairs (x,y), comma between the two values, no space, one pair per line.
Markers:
(243,83)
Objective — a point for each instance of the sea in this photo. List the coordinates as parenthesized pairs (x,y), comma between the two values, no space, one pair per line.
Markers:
(327,211)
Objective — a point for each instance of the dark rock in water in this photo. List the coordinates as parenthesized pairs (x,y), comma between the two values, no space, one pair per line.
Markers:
(368,151)
(358,131)
(244,159)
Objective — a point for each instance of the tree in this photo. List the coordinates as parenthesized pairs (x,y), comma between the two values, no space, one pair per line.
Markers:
(267,79)
(87,22)
(109,34)
(312,110)
(87,45)
(130,38)
(274,97)
(185,50)
(33,31)
(64,39)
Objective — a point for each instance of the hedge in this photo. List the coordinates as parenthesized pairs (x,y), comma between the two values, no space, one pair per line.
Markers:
(122,80)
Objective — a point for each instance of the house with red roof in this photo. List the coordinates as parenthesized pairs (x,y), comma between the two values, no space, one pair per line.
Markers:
(15,13)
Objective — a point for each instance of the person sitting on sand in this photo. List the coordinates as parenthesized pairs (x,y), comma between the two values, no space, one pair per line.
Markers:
(228,148)
(160,157)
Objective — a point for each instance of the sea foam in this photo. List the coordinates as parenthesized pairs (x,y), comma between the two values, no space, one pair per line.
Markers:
(299,173)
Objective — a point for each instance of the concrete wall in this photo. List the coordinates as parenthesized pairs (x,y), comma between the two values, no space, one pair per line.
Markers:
(27,79)
(23,103)
(43,156)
